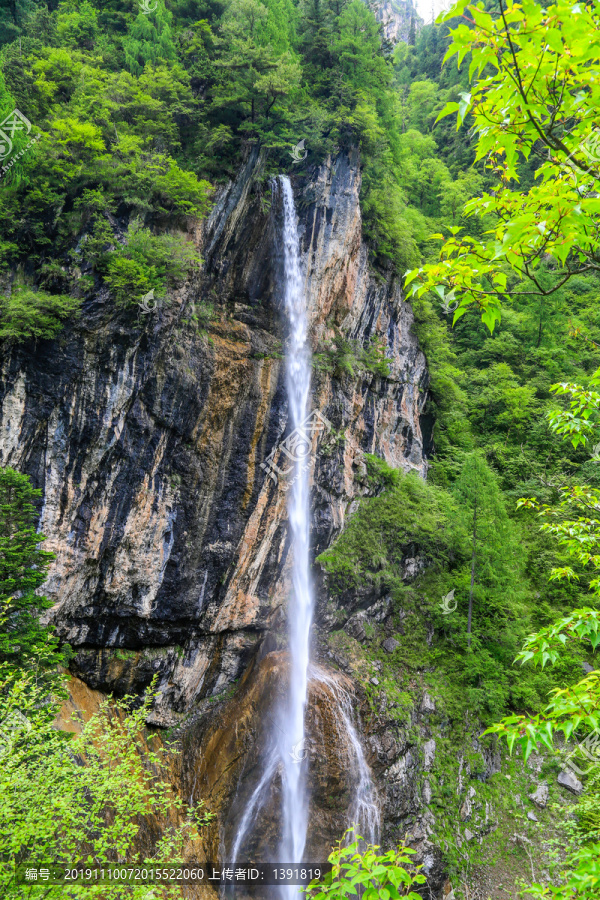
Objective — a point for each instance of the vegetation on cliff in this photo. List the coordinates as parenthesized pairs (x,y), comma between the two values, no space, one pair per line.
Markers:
(83,794)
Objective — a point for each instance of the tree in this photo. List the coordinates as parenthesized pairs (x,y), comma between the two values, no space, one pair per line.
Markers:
(492,536)
(82,797)
(534,102)
(253,76)
(23,566)
(27,314)
(575,709)
(149,40)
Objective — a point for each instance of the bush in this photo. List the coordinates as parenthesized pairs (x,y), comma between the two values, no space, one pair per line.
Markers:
(368,874)
(27,314)
(148,262)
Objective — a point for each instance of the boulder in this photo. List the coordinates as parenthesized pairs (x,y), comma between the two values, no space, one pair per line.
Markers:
(540,795)
(429,753)
(427,704)
(390,644)
(567,779)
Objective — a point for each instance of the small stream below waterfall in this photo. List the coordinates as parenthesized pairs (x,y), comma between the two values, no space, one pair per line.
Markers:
(285,758)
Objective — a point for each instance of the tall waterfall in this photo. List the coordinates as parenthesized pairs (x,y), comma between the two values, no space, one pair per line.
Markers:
(291,734)
(285,757)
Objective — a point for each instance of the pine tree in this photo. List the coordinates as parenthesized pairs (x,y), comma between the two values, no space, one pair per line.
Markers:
(23,566)
(493,539)
(149,40)
(412,36)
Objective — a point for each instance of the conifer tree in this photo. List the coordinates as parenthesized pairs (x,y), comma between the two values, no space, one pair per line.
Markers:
(492,536)
(149,40)
(23,567)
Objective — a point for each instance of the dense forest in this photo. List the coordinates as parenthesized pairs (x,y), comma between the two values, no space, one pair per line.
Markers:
(132,116)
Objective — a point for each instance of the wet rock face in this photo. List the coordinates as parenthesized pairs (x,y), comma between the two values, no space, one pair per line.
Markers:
(229,751)
(146,435)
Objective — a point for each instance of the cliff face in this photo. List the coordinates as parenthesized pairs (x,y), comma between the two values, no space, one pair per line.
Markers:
(395,17)
(157,441)
(147,433)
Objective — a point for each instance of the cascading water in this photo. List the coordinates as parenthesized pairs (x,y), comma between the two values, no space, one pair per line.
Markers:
(364,812)
(291,733)
(285,755)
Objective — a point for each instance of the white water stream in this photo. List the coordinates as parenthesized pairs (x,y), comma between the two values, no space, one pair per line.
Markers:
(298,370)
(287,754)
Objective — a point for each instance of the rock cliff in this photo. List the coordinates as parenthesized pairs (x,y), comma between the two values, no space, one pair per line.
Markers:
(147,433)
(395,17)
(157,442)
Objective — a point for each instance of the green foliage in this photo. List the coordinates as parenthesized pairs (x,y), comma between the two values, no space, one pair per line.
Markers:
(496,560)
(26,314)
(342,356)
(23,566)
(519,54)
(372,547)
(149,39)
(147,262)
(363,872)
(83,796)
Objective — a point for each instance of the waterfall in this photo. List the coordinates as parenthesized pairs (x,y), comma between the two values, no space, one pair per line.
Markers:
(365,811)
(298,367)
(285,756)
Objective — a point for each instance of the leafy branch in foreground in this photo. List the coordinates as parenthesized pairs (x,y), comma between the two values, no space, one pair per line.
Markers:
(82,798)
(368,874)
(535,73)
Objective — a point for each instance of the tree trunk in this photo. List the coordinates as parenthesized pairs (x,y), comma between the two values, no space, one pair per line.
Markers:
(472,574)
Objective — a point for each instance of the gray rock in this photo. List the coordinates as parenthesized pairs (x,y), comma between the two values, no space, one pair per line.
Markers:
(587,668)
(540,795)
(389,645)
(567,779)
(427,704)
(375,681)
(532,816)
(467,807)
(429,753)
(426,792)
(468,835)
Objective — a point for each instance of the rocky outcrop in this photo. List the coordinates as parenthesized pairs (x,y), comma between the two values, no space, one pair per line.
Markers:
(150,437)
(395,17)
(159,442)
